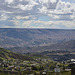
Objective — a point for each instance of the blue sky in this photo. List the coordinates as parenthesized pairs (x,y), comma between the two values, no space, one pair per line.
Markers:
(53,14)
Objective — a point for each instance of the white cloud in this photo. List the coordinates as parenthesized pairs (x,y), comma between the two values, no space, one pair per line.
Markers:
(20,17)
(29,6)
(3,17)
(9,1)
(59,12)
(27,24)
(43,1)
(47,1)
(48,24)
(53,1)
(22,7)
(64,7)
(25,7)
(43,10)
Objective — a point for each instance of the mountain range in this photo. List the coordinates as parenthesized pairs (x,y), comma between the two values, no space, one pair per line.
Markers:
(63,46)
(30,40)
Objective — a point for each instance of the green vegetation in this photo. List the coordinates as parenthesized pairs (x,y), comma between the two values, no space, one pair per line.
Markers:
(36,64)
(8,55)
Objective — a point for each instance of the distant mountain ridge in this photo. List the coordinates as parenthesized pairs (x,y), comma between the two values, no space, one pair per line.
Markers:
(60,46)
(16,37)
(63,46)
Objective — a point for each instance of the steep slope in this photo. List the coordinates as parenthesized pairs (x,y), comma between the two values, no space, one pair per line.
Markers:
(6,54)
(60,46)
(64,45)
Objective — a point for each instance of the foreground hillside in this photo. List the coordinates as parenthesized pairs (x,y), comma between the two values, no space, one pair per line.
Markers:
(17,64)
(8,55)
(10,38)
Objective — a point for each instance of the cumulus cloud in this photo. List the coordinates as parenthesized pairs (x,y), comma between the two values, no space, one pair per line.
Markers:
(9,1)
(25,7)
(53,1)
(58,11)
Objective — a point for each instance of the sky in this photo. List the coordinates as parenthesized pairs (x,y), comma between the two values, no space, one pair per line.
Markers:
(53,14)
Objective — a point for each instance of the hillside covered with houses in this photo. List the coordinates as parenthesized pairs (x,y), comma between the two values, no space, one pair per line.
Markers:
(33,65)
